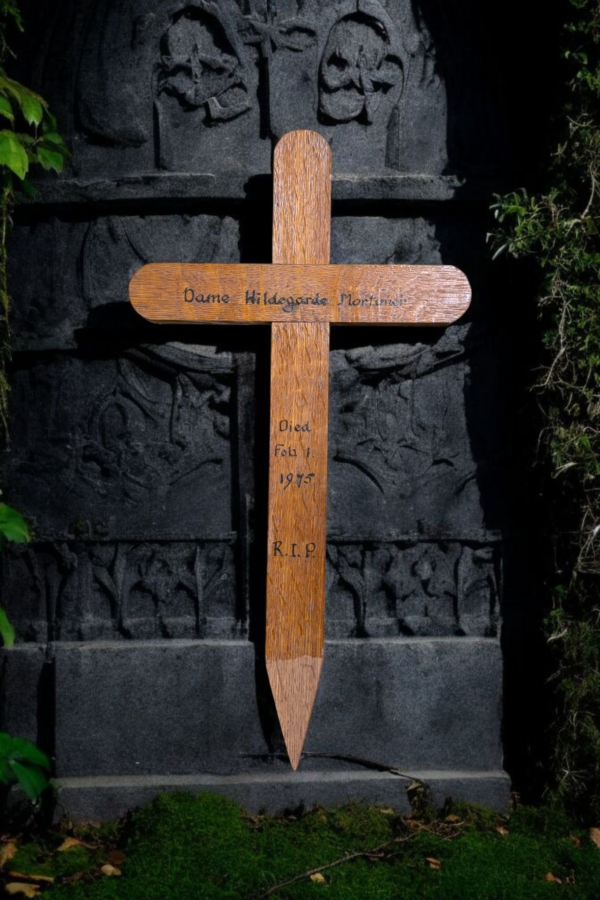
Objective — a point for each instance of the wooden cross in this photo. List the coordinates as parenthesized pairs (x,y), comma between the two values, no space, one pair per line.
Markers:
(300,295)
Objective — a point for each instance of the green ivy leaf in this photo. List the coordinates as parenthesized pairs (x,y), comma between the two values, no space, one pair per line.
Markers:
(22,750)
(50,123)
(32,105)
(7,632)
(13,526)
(54,138)
(32,780)
(12,154)
(28,188)
(50,159)
(6,109)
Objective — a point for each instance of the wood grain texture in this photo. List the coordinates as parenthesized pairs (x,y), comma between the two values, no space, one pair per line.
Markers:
(296,544)
(375,295)
(300,294)
(302,199)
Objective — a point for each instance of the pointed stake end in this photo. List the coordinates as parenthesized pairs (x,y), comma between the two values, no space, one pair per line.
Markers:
(294,683)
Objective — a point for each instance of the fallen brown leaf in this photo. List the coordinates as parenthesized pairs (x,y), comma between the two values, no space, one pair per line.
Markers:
(109,870)
(250,818)
(502,829)
(71,879)
(7,851)
(387,811)
(30,877)
(575,840)
(26,890)
(595,836)
(116,857)
(452,818)
(553,878)
(318,878)
(69,843)
(433,862)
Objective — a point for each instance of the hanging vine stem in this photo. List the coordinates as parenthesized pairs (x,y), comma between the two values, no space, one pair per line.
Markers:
(6,204)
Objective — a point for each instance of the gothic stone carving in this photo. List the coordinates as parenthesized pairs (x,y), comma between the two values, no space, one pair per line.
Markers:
(77,267)
(95,591)
(119,446)
(126,77)
(200,76)
(419,588)
(360,64)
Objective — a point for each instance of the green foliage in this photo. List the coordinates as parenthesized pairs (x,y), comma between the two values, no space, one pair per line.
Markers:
(558,232)
(28,139)
(206,848)
(14,528)
(23,762)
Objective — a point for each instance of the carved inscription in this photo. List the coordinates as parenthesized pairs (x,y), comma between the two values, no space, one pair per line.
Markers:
(411,295)
(289,303)
(296,480)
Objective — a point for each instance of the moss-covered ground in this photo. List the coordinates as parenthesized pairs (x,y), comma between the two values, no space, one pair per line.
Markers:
(206,848)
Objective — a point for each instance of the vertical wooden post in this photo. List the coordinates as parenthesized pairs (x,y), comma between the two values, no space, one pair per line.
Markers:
(298,445)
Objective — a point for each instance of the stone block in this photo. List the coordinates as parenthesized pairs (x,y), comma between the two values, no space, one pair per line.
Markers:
(188,707)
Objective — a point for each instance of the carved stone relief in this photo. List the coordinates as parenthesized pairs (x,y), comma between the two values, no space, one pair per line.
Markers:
(360,64)
(419,588)
(139,97)
(119,445)
(400,442)
(95,591)
(79,267)
(201,65)
(208,85)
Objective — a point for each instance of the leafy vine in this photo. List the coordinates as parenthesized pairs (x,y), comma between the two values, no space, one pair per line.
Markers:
(557,230)
(28,139)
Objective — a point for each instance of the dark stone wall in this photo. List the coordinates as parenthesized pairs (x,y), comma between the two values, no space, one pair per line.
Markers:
(138,450)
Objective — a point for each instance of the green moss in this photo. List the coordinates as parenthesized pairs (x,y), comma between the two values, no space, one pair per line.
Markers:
(42,859)
(206,848)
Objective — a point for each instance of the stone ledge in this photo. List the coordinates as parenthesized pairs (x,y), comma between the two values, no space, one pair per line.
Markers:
(107,797)
(186,190)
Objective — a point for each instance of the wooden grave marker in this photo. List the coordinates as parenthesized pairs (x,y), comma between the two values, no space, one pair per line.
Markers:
(300,294)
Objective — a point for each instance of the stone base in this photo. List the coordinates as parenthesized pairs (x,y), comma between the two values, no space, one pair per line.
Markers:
(106,798)
(126,720)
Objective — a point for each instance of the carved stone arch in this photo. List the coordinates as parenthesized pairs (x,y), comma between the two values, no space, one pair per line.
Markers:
(107,82)
(203,62)
(382,70)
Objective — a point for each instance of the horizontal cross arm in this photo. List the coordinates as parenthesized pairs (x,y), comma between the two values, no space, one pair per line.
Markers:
(187,293)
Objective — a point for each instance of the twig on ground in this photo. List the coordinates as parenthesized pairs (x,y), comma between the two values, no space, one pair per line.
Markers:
(336,862)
